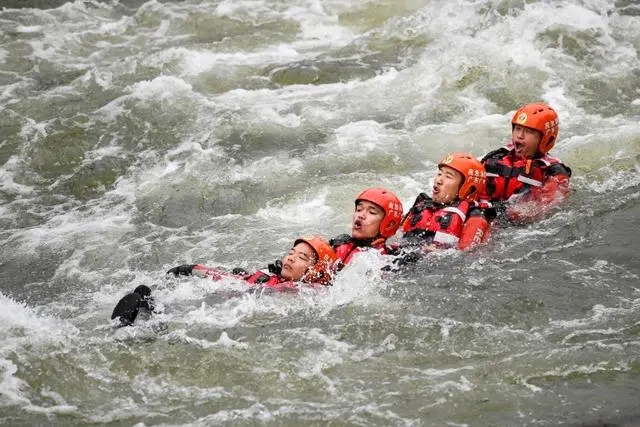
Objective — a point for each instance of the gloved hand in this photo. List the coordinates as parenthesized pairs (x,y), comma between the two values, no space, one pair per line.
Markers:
(128,307)
(408,258)
(497,214)
(275,268)
(403,259)
(182,270)
(239,271)
(146,300)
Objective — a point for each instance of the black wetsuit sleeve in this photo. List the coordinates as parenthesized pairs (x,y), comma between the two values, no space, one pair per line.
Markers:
(500,152)
(339,240)
(488,213)
(182,270)
(558,169)
(128,307)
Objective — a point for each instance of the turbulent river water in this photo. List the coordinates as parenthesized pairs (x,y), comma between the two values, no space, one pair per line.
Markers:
(139,135)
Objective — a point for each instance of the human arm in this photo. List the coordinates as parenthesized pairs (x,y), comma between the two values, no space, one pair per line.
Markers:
(128,307)
(475,229)
(200,270)
(538,202)
(182,270)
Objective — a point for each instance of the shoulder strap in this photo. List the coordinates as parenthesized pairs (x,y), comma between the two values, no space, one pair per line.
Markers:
(422,202)
(460,208)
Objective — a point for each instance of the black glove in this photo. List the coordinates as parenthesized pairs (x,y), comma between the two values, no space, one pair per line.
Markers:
(402,260)
(239,271)
(500,218)
(182,270)
(128,307)
(275,268)
(408,258)
(146,300)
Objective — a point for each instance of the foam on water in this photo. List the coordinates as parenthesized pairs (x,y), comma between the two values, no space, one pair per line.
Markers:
(159,89)
(21,327)
(7,181)
(287,156)
(194,63)
(305,211)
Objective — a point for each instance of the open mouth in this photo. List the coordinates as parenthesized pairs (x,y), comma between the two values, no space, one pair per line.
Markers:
(357,224)
(518,146)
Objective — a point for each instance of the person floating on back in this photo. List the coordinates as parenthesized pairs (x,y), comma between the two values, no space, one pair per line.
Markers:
(376,218)
(310,261)
(454,217)
(522,174)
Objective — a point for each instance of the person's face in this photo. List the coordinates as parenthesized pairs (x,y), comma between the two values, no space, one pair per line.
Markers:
(525,141)
(446,185)
(296,263)
(366,220)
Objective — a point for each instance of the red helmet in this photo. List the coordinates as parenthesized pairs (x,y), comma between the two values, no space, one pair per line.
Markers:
(390,204)
(542,118)
(474,176)
(320,272)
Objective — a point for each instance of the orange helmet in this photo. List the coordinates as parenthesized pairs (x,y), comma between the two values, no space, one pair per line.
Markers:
(390,204)
(542,118)
(474,176)
(320,272)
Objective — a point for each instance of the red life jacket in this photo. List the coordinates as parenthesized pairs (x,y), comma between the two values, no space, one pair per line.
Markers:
(459,224)
(260,277)
(271,280)
(508,175)
(269,277)
(346,247)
